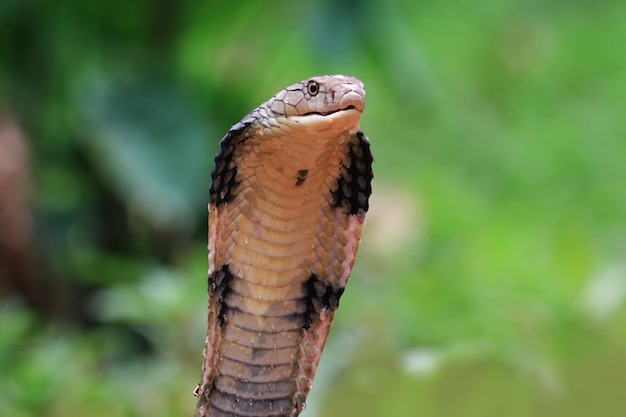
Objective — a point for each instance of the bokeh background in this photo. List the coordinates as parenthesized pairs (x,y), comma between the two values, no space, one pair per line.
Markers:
(492,275)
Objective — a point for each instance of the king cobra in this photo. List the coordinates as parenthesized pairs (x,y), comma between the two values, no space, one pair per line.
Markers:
(288,199)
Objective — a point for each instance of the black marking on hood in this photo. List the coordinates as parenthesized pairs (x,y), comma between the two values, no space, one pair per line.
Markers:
(224,176)
(219,289)
(319,296)
(354,184)
(301,177)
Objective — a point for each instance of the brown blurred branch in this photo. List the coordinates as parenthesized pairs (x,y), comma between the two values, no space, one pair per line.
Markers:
(16,225)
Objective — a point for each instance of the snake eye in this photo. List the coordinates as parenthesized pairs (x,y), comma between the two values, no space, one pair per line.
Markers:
(313,88)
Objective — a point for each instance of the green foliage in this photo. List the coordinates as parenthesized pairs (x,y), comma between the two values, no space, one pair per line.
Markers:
(491,279)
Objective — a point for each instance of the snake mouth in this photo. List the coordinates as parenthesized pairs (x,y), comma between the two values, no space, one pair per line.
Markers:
(328,113)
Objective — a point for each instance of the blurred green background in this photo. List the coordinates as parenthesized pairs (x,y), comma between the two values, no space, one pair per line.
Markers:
(492,275)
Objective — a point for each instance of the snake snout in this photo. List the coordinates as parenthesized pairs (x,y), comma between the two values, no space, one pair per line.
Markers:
(352,99)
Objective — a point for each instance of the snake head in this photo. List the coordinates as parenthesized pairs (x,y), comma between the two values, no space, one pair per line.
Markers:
(334,100)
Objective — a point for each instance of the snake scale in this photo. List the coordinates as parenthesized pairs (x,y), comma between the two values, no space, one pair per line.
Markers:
(288,199)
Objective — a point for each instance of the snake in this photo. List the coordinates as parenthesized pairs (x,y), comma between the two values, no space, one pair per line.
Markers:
(287,204)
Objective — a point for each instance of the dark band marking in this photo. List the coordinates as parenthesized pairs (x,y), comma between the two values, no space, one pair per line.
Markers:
(319,296)
(261,391)
(245,320)
(354,185)
(302,174)
(224,176)
(229,403)
(219,289)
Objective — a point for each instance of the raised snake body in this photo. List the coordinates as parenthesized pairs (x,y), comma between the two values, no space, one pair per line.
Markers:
(287,206)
